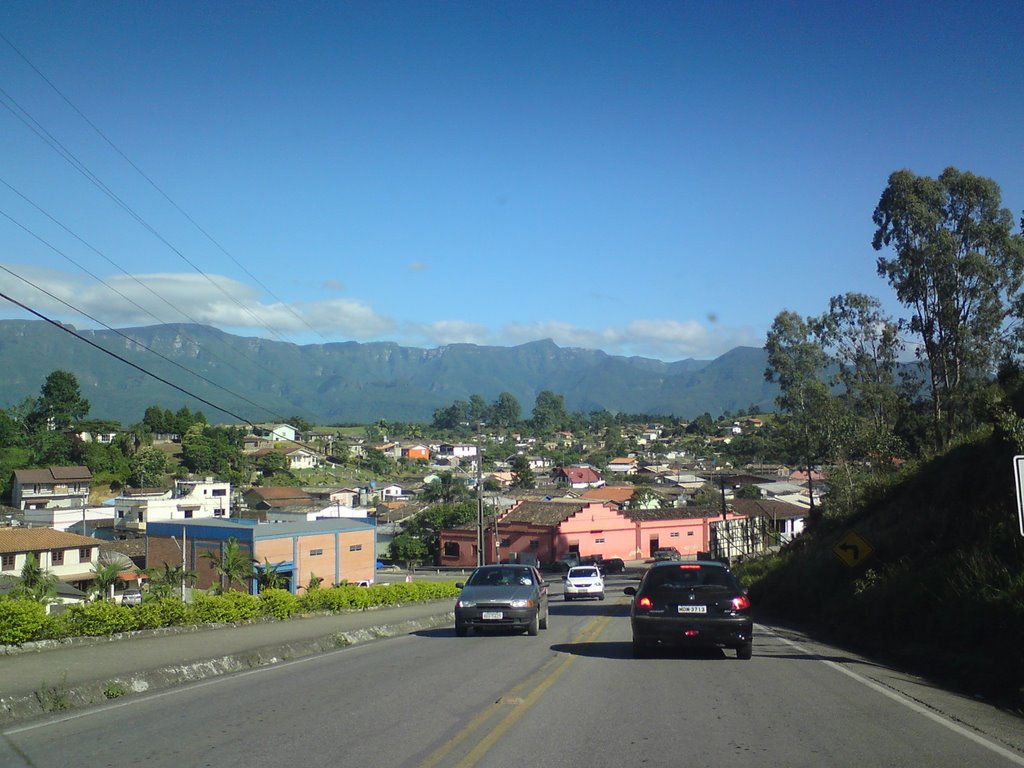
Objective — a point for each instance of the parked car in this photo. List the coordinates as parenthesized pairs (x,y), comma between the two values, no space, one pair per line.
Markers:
(502,596)
(131,597)
(667,553)
(612,565)
(583,581)
(690,604)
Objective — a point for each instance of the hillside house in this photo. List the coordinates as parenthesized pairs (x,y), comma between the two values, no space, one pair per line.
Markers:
(59,487)
(578,477)
(189,499)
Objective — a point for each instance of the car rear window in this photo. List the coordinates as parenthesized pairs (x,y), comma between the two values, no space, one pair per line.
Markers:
(687,577)
(583,573)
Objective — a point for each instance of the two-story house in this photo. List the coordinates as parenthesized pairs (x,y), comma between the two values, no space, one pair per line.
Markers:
(187,500)
(67,556)
(51,487)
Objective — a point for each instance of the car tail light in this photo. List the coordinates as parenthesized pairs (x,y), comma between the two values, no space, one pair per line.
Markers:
(644,603)
(741,603)
(690,567)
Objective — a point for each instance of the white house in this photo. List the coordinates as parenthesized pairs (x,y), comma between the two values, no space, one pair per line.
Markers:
(67,556)
(276,432)
(63,518)
(189,499)
(303,458)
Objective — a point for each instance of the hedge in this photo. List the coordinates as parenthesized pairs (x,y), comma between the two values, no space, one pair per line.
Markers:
(23,621)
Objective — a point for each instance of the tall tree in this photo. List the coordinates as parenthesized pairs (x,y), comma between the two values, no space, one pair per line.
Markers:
(522,473)
(35,582)
(506,411)
(958,266)
(864,343)
(60,403)
(796,362)
(549,412)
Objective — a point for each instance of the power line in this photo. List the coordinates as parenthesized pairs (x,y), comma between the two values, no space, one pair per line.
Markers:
(155,186)
(134,341)
(26,118)
(116,266)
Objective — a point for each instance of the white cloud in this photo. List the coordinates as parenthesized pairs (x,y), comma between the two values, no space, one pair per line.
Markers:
(148,299)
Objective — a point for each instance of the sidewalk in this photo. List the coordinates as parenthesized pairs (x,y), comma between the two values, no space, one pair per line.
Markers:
(53,676)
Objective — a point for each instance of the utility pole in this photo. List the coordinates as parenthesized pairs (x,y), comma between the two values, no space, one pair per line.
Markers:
(480,538)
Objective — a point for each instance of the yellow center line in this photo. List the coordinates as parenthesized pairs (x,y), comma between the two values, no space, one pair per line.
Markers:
(548,678)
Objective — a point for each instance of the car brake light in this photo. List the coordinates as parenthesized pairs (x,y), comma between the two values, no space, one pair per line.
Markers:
(690,567)
(741,603)
(644,603)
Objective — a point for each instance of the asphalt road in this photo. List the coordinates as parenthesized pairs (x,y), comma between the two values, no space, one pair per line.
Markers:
(573,696)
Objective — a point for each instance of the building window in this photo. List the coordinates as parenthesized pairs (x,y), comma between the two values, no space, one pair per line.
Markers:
(675,534)
(220,492)
(355,548)
(689,533)
(534,543)
(84,554)
(315,552)
(599,541)
(8,563)
(57,557)
(188,514)
(451,549)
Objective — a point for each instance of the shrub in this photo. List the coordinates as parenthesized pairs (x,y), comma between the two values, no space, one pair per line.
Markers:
(279,603)
(163,612)
(99,618)
(228,608)
(21,621)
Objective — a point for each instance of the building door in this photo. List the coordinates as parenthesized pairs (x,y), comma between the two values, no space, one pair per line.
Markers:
(654,546)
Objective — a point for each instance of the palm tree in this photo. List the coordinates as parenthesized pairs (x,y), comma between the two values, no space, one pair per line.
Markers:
(106,577)
(269,577)
(233,564)
(166,580)
(36,582)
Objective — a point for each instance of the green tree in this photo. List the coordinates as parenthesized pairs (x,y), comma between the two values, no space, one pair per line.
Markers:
(426,529)
(269,575)
(407,548)
(233,564)
(35,582)
(168,580)
(479,410)
(958,266)
(549,413)
(447,489)
(797,363)
(105,579)
(522,473)
(271,463)
(645,498)
(506,412)
(147,466)
(60,403)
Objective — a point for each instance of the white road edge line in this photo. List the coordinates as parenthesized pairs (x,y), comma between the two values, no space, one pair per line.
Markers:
(1013,757)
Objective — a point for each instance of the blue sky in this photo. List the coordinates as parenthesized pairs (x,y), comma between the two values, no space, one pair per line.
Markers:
(653,179)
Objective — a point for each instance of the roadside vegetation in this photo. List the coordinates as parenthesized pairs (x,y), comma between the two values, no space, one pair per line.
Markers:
(25,620)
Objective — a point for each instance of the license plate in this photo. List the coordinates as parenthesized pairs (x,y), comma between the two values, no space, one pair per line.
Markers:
(693,609)
(491,615)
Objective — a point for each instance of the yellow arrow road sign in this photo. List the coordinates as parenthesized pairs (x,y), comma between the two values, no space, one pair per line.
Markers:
(852,549)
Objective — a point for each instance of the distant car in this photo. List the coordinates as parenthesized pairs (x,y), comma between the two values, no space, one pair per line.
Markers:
(612,565)
(502,596)
(667,553)
(131,597)
(690,604)
(583,581)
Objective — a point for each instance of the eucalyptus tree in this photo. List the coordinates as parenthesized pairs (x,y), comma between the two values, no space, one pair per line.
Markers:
(958,266)
(797,363)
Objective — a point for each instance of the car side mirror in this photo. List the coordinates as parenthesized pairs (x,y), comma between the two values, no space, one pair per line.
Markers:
(629,590)
(459,584)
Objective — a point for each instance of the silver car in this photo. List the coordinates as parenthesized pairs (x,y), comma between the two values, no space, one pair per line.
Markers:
(502,596)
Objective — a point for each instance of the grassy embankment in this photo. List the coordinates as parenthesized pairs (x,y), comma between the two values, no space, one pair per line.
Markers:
(941,592)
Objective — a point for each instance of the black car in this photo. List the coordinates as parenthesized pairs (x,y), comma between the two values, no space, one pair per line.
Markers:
(690,604)
(502,596)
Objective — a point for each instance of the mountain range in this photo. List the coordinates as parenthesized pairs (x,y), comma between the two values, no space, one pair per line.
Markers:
(238,378)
